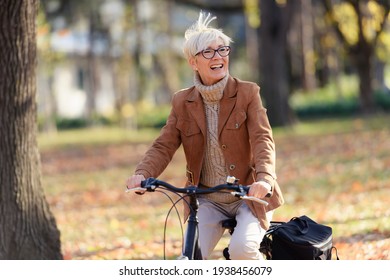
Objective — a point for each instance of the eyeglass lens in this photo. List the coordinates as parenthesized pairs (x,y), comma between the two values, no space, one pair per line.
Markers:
(210,53)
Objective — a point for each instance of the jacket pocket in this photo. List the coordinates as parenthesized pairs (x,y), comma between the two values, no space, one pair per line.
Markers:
(236,120)
(187,127)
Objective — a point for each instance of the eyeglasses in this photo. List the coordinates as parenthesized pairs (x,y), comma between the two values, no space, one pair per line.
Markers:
(210,53)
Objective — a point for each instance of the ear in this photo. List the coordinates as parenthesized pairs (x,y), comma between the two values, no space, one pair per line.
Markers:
(192,63)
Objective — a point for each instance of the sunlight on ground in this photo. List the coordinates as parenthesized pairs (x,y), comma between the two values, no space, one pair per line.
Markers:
(338,174)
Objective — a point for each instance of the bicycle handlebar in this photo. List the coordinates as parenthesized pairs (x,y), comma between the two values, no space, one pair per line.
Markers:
(150,185)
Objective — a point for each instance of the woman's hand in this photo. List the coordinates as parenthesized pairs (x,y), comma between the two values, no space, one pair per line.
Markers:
(135,182)
(259,189)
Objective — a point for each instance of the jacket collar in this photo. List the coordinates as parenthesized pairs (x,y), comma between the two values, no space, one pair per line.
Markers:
(196,107)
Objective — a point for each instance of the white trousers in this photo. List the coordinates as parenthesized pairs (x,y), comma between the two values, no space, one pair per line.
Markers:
(246,238)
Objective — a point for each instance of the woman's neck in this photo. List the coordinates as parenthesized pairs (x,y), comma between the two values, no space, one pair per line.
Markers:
(212,93)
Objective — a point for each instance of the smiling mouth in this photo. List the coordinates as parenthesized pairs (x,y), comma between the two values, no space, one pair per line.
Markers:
(217,66)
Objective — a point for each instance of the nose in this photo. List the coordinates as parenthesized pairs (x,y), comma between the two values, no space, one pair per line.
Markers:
(215,55)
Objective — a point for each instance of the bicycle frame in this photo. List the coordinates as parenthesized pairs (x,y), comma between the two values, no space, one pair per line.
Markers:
(191,246)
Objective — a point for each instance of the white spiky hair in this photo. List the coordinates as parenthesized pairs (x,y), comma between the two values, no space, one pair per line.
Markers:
(199,36)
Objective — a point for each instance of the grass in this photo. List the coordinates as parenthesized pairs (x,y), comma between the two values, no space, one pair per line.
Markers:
(117,135)
(333,126)
(336,171)
(338,98)
(345,89)
(94,136)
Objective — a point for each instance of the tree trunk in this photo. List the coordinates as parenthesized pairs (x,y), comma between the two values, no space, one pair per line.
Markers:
(308,57)
(362,52)
(27,227)
(363,65)
(273,60)
(92,70)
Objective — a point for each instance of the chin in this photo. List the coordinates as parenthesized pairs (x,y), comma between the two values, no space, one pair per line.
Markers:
(222,75)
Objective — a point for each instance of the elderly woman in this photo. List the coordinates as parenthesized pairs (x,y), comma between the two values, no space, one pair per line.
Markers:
(224,130)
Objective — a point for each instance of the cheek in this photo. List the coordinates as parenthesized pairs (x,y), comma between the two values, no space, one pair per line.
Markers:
(203,67)
(227,61)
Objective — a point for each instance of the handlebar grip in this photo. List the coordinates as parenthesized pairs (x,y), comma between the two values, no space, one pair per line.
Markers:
(148,182)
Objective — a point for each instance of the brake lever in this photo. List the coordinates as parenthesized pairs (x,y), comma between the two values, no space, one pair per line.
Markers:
(255,199)
(149,188)
(252,198)
(135,189)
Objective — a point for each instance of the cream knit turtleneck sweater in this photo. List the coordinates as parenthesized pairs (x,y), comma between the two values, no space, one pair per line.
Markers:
(214,169)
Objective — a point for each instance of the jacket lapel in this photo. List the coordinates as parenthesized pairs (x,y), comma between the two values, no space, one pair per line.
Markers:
(195,106)
(227,103)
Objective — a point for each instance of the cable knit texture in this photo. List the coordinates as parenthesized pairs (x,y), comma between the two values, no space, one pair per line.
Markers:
(214,169)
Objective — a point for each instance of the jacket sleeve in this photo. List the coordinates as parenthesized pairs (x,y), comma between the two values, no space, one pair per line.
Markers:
(159,155)
(262,142)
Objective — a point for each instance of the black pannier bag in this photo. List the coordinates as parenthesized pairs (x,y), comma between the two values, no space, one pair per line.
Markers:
(301,238)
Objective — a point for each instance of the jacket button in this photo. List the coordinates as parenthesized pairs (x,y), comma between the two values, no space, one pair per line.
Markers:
(223,147)
(237,125)
(232,167)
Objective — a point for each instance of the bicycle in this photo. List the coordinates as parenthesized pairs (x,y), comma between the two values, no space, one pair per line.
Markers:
(191,249)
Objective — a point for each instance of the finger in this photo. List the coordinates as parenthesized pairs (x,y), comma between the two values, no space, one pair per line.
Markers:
(257,190)
(133,182)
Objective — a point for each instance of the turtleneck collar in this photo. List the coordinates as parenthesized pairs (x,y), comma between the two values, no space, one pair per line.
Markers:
(213,93)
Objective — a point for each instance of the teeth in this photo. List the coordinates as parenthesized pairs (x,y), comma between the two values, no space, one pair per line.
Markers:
(216,66)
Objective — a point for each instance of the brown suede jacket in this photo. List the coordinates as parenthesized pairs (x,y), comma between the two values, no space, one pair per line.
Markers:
(245,136)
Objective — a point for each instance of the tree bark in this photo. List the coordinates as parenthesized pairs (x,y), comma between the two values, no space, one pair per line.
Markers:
(27,228)
(273,62)
(362,61)
(308,57)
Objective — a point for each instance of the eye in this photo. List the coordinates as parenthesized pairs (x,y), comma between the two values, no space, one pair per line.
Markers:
(206,52)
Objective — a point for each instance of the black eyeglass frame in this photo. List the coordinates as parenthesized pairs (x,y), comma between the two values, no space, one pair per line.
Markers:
(215,51)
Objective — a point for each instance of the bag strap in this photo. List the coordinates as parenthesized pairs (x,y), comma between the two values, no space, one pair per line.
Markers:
(274,226)
(302,226)
(337,255)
